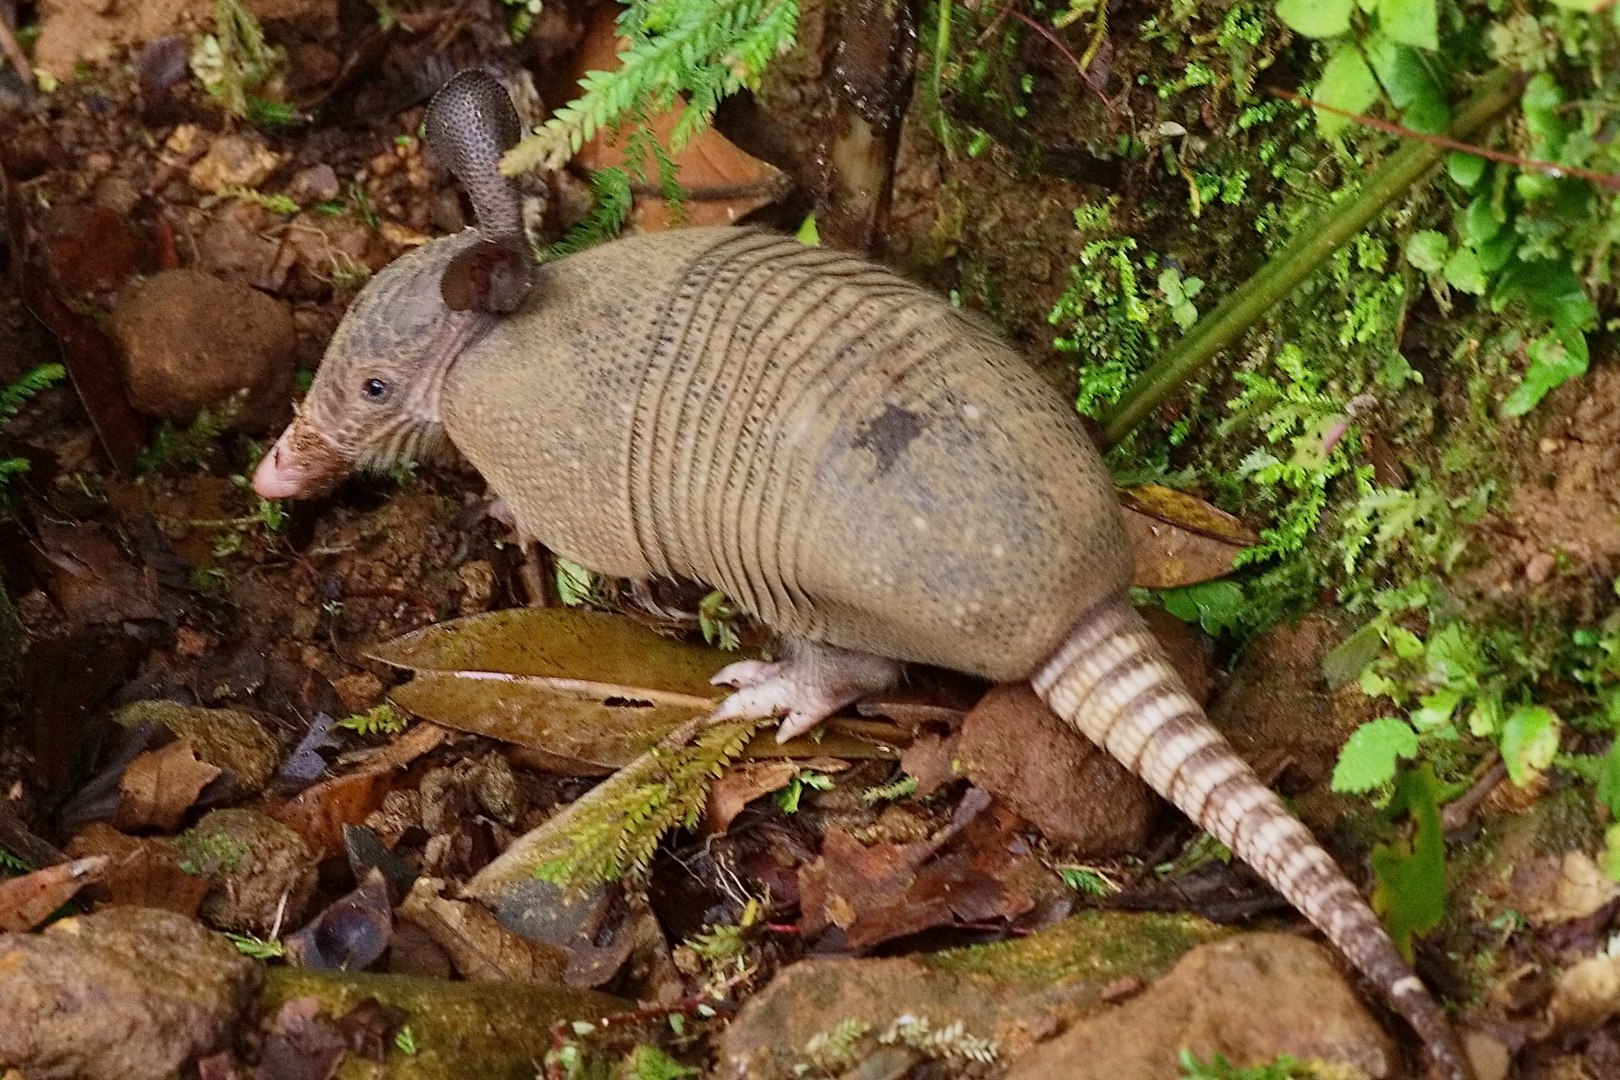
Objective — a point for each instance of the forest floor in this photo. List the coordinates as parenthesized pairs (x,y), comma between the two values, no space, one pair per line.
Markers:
(196,708)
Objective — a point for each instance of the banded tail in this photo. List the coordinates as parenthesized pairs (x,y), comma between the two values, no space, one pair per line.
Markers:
(1112,681)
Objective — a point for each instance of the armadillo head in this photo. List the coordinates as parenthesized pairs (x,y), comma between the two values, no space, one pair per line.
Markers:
(375,400)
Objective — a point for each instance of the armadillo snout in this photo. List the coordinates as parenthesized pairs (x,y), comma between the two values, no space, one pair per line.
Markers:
(303,462)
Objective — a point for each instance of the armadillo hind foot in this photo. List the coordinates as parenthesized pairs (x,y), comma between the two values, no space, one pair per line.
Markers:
(1112,681)
(811,684)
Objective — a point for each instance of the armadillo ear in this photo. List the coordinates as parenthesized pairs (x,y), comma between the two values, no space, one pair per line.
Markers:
(470,124)
(492,276)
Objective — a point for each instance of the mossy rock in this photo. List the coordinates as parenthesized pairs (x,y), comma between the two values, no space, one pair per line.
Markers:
(488,1030)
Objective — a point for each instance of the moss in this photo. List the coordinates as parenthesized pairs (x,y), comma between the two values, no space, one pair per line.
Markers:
(494,1031)
(1099,946)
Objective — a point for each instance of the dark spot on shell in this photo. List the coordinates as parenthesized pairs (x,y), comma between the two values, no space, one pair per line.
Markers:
(626,703)
(889,435)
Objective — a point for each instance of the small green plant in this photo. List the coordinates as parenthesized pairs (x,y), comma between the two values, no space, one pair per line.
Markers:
(257,947)
(717,617)
(11,865)
(890,792)
(384,719)
(788,797)
(650,1063)
(192,444)
(405,1040)
(1088,879)
(1411,873)
(235,60)
(12,399)
(614,200)
(276,204)
(833,1052)
(1282,1067)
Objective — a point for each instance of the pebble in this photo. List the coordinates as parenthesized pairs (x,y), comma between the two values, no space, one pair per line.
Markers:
(233,162)
(188,340)
(316,184)
(262,872)
(128,993)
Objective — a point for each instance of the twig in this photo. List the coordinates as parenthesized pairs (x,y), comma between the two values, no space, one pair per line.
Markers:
(1068,54)
(14,52)
(1608,180)
(1460,811)
(1312,244)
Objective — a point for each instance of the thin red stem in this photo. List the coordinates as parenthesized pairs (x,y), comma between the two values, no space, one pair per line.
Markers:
(1607,180)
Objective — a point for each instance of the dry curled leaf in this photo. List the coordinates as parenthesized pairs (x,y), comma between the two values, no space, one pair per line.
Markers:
(27,901)
(1179,539)
(576,684)
(141,871)
(722,182)
(160,786)
(478,945)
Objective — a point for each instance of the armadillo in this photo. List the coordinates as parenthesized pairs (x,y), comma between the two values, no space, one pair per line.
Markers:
(870,472)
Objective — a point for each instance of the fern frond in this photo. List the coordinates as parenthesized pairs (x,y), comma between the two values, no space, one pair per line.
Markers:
(613,202)
(614,829)
(17,394)
(702,50)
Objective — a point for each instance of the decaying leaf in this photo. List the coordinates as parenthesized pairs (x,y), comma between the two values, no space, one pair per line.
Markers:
(741,785)
(319,813)
(884,891)
(160,786)
(577,684)
(722,183)
(27,901)
(478,945)
(1179,539)
(141,871)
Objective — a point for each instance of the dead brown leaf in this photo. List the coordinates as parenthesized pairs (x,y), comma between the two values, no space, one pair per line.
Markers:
(741,785)
(884,891)
(141,871)
(1179,539)
(160,786)
(89,577)
(27,901)
(319,812)
(722,182)
(478,945)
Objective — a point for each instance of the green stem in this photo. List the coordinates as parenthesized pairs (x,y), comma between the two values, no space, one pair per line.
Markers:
(1312,244)
(942,49)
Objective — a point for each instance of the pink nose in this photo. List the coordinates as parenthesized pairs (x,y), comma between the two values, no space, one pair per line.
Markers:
(274,478)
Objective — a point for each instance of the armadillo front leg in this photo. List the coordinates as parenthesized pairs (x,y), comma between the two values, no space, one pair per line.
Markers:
(812,683)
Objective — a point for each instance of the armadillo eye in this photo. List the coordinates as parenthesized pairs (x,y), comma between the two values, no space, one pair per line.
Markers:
(376,389)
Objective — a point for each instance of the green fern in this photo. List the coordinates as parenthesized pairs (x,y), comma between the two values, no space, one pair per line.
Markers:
(613,202)
(13,397)
(699,50)
(614,829)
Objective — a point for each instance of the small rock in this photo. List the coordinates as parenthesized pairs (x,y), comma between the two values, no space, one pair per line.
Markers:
(263,873)
(1540,567)
(124,994)
(358,691)
(1489,1055)
(1587,994)
(233,162)
(1019,993)
(1017,749)
(189,340)
(1247,999)
(316,184)
(228,739)
(1580,889)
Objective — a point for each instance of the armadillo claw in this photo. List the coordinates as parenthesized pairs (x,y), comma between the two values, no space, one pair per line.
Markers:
(744,673)
(814,682)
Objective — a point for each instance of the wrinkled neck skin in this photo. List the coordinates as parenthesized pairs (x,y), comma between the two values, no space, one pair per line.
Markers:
(400,332)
